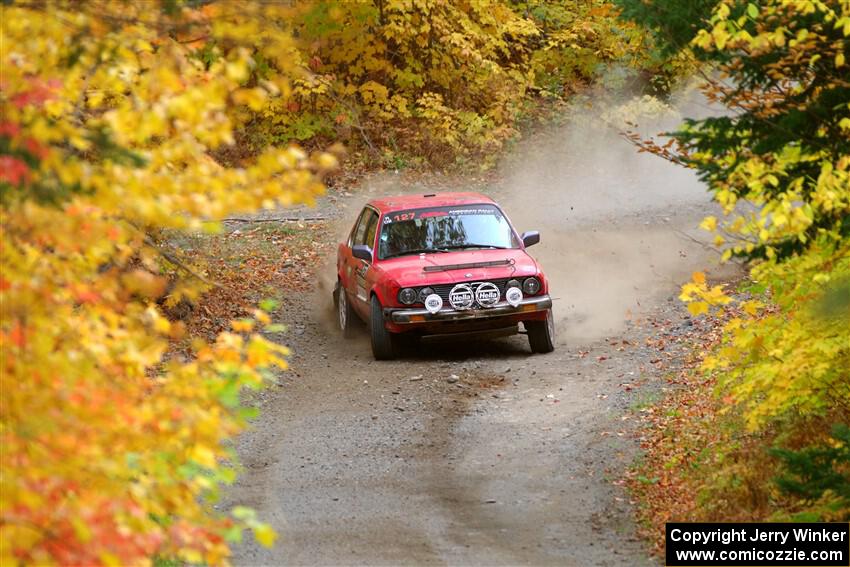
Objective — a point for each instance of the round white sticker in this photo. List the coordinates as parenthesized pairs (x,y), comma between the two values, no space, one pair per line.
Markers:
(433,303)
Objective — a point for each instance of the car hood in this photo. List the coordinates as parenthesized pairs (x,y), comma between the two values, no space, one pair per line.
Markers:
(465,265)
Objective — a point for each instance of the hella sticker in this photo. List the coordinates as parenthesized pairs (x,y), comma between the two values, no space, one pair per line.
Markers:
(461,297)
(487,294)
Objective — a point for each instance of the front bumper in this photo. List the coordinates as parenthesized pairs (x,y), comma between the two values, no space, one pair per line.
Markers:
(405,316)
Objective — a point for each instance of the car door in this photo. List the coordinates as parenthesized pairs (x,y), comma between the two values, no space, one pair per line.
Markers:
(357,269)
(367,276)
(346,260)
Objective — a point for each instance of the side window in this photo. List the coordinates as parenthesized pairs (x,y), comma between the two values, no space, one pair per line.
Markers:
(371,229)
(359,232)
(366,228)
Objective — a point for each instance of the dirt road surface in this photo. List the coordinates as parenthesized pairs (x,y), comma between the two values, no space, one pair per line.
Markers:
(478,452)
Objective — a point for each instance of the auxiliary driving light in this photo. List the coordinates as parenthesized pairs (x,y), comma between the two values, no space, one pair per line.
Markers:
(433,303)
(513,295)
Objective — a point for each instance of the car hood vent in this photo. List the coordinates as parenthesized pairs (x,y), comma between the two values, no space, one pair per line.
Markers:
(449,267)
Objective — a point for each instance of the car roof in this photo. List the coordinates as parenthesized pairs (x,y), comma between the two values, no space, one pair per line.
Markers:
(404,202)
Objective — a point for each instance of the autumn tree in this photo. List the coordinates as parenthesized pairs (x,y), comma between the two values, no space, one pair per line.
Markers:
(672,23)
(438,82)
(778,162)
(111,118)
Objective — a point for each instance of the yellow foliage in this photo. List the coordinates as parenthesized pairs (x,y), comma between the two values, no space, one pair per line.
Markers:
(110,121)
(797,357)
(379,71)
(788,352)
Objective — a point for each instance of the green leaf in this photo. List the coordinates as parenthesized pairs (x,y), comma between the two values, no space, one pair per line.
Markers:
(247,413)
(752,11)
(244,513)
(228,395)
(233,535)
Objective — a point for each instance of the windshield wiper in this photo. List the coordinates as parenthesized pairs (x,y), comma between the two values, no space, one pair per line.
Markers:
(457,246)
(414,251)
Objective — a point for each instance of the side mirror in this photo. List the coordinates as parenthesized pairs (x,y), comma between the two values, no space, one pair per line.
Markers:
(362,252)
(530,238)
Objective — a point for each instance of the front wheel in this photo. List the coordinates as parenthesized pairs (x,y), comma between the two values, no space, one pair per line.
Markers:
(383,341)
(344,312)
(541,334)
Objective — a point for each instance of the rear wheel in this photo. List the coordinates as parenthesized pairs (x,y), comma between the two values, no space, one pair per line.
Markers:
(383,341)
(541,334)
(344,312)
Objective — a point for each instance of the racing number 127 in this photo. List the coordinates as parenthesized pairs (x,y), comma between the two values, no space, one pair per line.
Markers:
(404,216)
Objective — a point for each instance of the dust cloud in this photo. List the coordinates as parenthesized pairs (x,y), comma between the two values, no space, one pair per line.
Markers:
(618,227)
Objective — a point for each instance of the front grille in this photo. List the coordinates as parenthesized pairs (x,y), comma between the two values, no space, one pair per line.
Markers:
(443,290)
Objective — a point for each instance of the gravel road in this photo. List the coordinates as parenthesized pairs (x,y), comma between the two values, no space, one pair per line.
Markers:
(478,452)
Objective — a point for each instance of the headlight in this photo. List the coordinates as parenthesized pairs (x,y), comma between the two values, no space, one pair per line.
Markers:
(423,293)
(407,296)
(531,286)
(513,283)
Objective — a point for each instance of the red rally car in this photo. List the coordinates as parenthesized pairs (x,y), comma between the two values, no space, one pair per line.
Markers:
(440,264)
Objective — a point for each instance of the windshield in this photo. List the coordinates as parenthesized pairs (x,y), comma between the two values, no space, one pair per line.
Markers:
(444,229)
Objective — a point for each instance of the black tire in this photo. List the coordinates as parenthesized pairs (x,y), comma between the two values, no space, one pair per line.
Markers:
(344,313)
(383,341)
(541,334)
